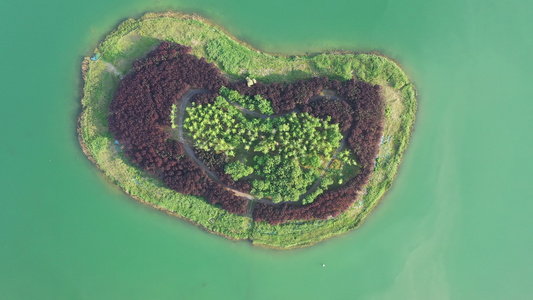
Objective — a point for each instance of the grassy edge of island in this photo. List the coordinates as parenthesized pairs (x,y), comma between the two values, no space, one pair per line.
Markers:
(134,38)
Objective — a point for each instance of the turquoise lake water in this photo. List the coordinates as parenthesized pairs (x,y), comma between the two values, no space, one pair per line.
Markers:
(457,223)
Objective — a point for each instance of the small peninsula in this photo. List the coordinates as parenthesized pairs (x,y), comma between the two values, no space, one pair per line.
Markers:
(282,151)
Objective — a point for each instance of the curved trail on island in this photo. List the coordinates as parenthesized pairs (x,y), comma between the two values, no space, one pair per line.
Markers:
(190,152)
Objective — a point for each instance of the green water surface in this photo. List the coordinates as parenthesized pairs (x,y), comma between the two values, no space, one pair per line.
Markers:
(456,224)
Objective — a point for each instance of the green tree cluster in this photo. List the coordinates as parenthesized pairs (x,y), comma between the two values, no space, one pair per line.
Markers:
(290,152)
(312,196)
(255,103)
(282,179)
(215,126)
(347,157)
(237,170)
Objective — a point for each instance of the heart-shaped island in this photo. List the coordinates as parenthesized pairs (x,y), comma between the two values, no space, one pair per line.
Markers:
(283,151)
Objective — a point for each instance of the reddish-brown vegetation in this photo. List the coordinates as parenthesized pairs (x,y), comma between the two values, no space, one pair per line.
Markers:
(140,112)
(338,110)
(284,97)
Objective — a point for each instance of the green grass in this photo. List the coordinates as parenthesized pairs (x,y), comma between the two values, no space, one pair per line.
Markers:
(134,38)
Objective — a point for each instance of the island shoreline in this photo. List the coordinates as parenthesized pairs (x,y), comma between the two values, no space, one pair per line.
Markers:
(86,149)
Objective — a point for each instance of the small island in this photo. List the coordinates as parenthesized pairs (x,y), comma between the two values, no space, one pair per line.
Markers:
(282,151)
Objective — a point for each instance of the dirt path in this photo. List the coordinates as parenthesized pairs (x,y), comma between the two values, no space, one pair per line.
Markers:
(190,152)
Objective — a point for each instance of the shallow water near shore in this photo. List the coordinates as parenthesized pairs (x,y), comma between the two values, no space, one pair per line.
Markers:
(455,225)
